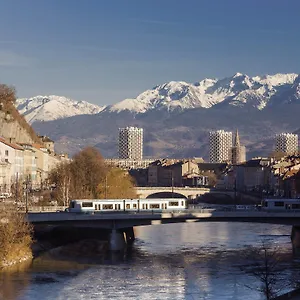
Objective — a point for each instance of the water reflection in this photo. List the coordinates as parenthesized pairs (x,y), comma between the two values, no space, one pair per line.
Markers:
(13,280)
(175,261)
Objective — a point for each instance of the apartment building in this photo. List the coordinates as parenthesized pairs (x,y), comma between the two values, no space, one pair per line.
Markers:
(168,172)
(30,163)
(129,164)
(286,143)
(12,163)
(253,174)
(220,145)
(42,163)
(131,143)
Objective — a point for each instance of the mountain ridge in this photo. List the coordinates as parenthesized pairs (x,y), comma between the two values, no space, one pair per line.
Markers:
(52,107)
(177,116)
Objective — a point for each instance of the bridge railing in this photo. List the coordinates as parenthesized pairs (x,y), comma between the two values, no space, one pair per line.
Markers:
(42,208)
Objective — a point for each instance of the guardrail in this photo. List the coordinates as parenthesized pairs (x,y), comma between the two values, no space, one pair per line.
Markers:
(42,208)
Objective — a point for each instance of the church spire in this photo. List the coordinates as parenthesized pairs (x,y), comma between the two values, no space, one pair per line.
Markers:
(236,142)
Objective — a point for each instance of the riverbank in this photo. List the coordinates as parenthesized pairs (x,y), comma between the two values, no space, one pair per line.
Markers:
(15,239)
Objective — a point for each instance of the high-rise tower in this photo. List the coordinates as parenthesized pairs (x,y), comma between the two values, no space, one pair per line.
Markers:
(220,144)
(131,143)
(286,143)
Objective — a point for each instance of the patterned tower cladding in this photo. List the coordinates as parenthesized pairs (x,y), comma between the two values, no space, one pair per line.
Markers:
(220,144)
(131,143)
(286,143)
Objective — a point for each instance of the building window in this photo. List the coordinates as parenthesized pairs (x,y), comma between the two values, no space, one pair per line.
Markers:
(6,152)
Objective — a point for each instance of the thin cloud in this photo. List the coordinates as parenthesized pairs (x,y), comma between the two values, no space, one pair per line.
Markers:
(9,42)
(104,49)
(272,31)
(12,59)
(156,22)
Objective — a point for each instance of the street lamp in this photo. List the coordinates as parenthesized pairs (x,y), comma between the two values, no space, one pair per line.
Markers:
(105,186)
(27,184)
(172,182)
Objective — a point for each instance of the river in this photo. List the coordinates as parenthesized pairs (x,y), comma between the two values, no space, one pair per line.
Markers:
(174,261)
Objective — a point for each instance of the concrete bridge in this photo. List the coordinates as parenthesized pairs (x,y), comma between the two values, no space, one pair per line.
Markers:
(187,192)
(119,220)
(121,223)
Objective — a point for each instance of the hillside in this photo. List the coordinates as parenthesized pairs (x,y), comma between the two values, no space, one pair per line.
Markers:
(12,124)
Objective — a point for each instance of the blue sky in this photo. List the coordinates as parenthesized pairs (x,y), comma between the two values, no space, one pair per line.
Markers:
(106,51)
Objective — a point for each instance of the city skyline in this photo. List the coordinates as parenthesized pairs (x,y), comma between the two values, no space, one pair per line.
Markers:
(104,52)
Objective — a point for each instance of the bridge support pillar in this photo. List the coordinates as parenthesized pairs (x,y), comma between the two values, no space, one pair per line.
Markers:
(295,238)
(129,234)
(116,240)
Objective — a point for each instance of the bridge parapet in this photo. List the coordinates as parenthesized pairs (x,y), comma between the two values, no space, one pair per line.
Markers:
(188,192)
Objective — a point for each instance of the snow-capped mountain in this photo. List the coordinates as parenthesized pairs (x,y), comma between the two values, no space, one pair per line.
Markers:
(238,90)
(48,108)
(176,116)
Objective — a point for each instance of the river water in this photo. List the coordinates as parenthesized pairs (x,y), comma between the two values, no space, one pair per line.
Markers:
(174,261)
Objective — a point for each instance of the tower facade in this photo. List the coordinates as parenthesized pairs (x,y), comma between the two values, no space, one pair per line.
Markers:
(220,144)
(286,143)
(131,143)
(238,152)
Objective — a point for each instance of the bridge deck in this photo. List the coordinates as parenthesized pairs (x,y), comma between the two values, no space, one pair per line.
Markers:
(129,219)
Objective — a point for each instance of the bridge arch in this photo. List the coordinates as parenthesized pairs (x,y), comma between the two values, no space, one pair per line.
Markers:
(166,195)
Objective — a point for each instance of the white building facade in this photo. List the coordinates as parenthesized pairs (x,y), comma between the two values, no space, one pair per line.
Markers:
(286,143)
(220,146)
(12,164)
(131,143)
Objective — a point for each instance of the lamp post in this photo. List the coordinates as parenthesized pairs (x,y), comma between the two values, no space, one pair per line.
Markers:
(172,182)
(27,185)
(235,191)
(17,186)
(105,186)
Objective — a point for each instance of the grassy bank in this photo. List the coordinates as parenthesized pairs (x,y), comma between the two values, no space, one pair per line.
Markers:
(15,238)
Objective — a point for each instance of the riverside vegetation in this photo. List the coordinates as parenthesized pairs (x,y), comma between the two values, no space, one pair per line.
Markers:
(15,238)
(88,177)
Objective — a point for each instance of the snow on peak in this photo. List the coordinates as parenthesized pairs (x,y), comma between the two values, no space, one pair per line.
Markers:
(237,90)
(277,79)
(48,108)
(236,75)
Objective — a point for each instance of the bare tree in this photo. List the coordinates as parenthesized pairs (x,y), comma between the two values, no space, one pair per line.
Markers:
(88,170)
(62,176)
(264,265)
(7,95)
